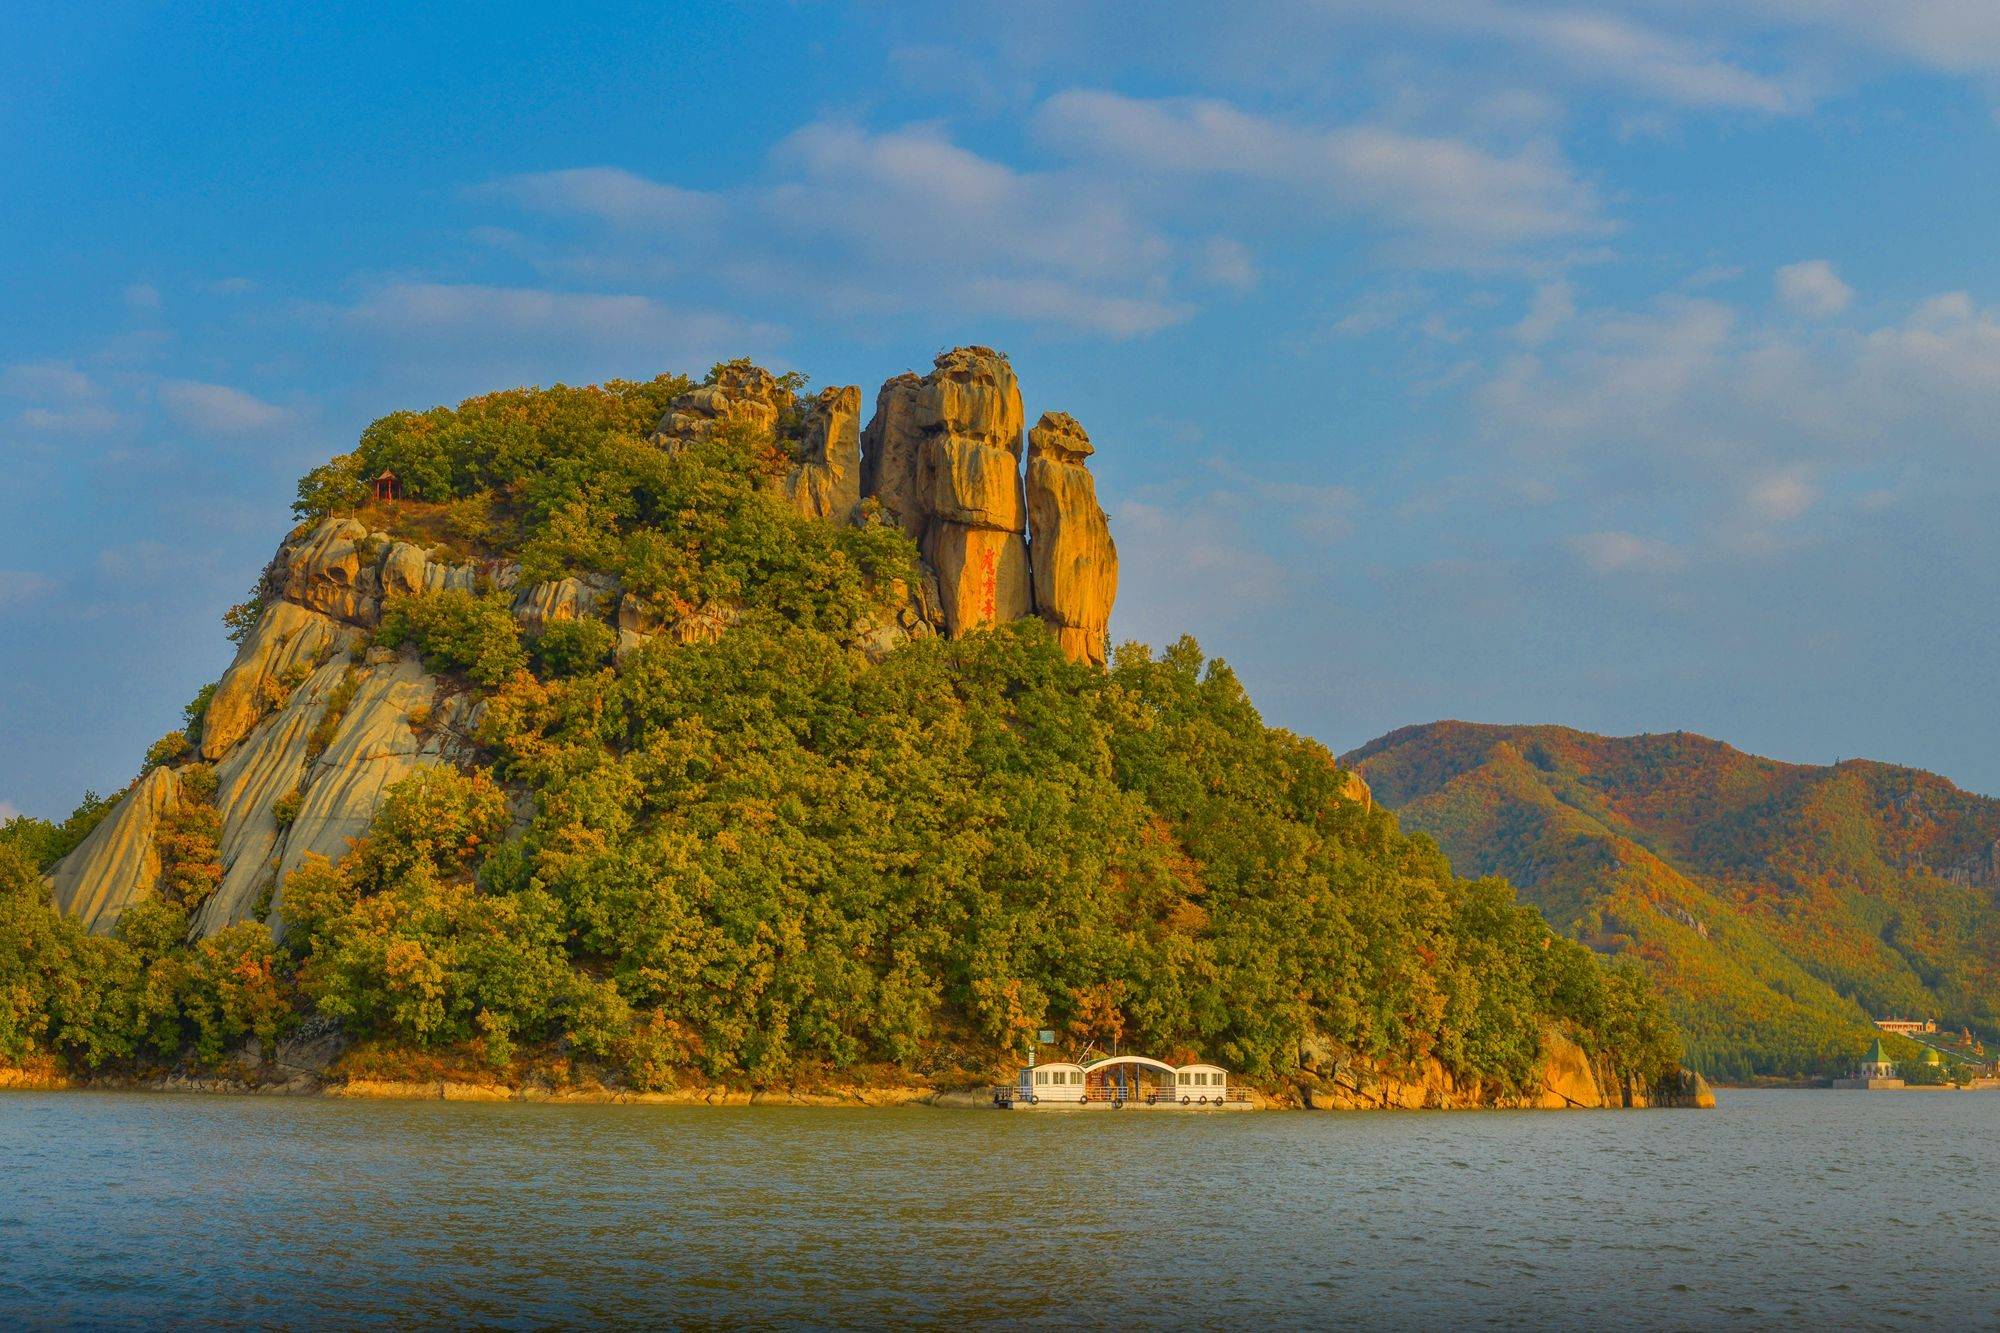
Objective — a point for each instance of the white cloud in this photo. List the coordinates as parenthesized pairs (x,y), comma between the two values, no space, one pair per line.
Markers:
(1640,56)
(1228,263)
(913,198)
(1605,48)
(1049,301)
(609,194)
(1374,311)
(1782,496)
(1737,427)
(867,223)
(1458,199)
(1956,36)
(1625,552)
(86,419)
(427,309)
(1811,287)
(47,381)
(1623,375)
(8,810)
(19,586)
(1552,306)
(142,562)
(219,408)
(1186,566)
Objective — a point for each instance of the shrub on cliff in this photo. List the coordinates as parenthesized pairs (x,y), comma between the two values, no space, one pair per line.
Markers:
(456,630)
(144,993)
(573,647)
(398,940)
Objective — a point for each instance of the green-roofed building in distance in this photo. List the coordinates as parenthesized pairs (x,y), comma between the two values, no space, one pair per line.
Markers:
(1876,1071)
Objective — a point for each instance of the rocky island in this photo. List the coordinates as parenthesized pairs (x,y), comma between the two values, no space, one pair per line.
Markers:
(694,741)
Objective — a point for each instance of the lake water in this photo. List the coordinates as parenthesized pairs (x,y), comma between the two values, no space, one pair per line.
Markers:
(1861,1208)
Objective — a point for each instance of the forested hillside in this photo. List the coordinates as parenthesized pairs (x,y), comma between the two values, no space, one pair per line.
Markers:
(1778,907)
(685,731)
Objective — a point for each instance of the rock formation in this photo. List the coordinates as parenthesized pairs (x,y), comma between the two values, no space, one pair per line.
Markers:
(344,571)
(310,725)
(543,604)
(1070,548)
(942,457)
(118,863)
(826,480)
(889,449)
(735,392)
(969,487)
(306,717)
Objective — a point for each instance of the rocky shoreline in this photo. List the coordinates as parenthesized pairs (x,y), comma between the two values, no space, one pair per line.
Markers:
(1568,1083)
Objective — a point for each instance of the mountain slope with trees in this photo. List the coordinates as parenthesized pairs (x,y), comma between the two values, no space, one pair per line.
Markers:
(1779,908)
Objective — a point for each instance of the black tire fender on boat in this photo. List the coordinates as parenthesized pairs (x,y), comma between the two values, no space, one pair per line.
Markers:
(1032,1099)
(1185,1099)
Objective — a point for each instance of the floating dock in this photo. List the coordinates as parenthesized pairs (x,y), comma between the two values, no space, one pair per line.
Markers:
(1119,1082)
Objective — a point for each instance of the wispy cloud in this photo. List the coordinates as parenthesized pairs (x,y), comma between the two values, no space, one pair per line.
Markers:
(1457,198)
(1552,306)
(1781,496)
(609,194)
(1813,288)
(1600,47)
(1742,424)
(19,586)
(1625,552)
(47,381)
(1184,565)
(85,419)
(219,409)
(429,309)
(864,221)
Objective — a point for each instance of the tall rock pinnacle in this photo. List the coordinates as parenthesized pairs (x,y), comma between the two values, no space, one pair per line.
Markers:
(969,487)
(1074,559)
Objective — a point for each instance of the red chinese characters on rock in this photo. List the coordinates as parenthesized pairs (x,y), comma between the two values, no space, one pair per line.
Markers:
(989,585)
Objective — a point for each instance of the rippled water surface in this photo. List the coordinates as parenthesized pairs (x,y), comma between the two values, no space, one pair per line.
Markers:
(1850,1208)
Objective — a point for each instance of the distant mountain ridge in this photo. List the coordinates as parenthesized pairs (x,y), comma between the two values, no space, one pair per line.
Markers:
(1778,906)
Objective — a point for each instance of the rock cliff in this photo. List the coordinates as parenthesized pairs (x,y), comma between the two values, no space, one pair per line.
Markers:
(826,480)
(310,724)
(1566,1079)
(889,449)
(305,730)
(969,489)
(1075,561)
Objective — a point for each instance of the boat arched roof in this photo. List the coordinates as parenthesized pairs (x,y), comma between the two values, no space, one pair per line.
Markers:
(1212,1069)
(1051,1064)
(1144,1061)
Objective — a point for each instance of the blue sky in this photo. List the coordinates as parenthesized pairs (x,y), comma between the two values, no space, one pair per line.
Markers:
(1631,365)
